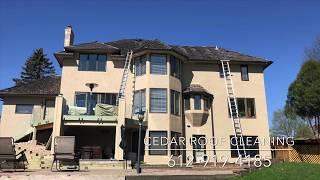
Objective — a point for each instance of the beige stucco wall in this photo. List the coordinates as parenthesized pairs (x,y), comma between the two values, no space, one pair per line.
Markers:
(159,121)
(208,76)
(73,80)
(109,82)
(205,74)
(17,125)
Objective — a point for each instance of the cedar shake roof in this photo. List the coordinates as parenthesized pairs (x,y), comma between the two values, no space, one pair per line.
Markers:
(201,53)
(49,86)
(196,89)
(96,46)
(139,44)
(213,53)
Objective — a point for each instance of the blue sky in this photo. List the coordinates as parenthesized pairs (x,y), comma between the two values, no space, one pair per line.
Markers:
(278,31)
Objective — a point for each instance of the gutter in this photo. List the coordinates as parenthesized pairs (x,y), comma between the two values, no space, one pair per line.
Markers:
(2,95)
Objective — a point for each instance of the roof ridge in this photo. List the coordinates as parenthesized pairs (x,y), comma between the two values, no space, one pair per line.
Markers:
(85,43)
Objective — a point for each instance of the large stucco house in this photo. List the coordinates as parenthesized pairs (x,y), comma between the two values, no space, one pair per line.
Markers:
(181,89)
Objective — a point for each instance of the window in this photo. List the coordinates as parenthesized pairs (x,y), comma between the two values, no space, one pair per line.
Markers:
(250,107)
(199,146)
(221,71)
(246,107)
(175,102)
(175,145)
(158,100)
(198,142)
(24,108)
(187,103)
(82,99)
(206,103)
(175,67)
(241,107)
(106,98)
(244,73)
(158,64)
(197,102)
(140,65)
(139,101)
(92,62)
(249,142)
(155,142)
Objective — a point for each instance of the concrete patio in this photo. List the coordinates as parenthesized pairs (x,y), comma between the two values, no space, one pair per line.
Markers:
(119,174)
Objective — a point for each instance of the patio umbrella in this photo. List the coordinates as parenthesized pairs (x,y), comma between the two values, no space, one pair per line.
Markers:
(123,142)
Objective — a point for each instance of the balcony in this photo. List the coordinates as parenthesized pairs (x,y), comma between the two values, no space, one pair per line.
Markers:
(101,115)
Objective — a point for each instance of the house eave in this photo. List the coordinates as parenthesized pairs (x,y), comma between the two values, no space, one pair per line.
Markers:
(61,55)
(265,64)
(3,95)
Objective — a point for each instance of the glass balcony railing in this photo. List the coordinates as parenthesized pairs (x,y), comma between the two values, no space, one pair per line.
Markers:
(98,110)
(42,116)
(101,113)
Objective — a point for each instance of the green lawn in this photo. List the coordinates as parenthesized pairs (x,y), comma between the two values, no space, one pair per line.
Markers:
(285,171)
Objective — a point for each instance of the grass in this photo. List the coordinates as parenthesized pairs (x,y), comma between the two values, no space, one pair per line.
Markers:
(285,171)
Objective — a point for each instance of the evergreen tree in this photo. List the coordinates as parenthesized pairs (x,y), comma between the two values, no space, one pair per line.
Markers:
(37,66)
(313,52)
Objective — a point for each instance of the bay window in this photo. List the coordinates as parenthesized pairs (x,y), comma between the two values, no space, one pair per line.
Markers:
(206,103)
(197,102)
(175,69)
(187,103)
(158,64)
(140,65)
(175,102)
(155,142)
(139,101)
(158,100)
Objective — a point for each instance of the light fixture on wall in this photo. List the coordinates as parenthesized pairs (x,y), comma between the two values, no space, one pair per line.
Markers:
(91,86)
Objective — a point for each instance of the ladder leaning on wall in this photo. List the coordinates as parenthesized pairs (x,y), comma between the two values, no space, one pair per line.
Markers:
(125,75)
(233,108)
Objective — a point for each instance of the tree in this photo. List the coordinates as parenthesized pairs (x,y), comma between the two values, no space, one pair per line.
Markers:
(304,95)
(314,51)
(283,126)
(37,66)
(304,131)
(292,126)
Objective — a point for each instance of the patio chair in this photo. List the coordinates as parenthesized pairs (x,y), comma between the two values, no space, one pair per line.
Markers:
(8,157)
(64,153)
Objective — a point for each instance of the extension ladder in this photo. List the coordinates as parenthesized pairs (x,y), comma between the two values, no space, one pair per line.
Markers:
(233,108)
(125,74)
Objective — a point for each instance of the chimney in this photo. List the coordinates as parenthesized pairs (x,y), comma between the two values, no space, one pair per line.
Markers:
(68,36)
